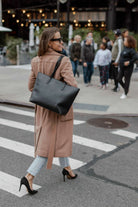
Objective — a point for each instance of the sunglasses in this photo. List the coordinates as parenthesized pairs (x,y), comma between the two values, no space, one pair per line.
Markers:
(58,39)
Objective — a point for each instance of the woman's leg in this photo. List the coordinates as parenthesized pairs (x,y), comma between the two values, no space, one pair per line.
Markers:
(64,163)
(36,165)
(35,168)
(120,77)
(127,75)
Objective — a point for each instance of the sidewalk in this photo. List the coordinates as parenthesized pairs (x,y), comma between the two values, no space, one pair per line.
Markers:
(92,99)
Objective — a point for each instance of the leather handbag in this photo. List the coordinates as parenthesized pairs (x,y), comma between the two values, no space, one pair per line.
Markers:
(53,94)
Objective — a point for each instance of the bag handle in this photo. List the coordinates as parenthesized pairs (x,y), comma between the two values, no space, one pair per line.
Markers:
(57,65)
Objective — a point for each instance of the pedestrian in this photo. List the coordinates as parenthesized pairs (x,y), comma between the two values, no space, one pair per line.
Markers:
(109,47)
(125,33)
(87,56)
(53,132)
(103,60)
(89,35)
(116,51)
(75,53)
(127,59)
(108,42)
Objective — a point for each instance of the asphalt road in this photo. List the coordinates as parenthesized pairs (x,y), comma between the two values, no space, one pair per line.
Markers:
(105,159)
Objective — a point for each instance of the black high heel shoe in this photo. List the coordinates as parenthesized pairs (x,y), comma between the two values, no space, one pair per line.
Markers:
(66,173)
(25,182)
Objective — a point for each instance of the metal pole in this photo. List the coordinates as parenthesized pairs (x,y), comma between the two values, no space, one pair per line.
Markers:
(0,12)
(68,14)
(18,56)
(58,10)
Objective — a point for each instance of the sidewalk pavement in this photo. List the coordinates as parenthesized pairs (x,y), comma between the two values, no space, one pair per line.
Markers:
(92,99)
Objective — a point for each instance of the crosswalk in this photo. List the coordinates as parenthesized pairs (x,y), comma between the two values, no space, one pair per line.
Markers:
(10,183)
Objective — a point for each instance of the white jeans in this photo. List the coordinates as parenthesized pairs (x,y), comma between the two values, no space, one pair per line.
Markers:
(39,162)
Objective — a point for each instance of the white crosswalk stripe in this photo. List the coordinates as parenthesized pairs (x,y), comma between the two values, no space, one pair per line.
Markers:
(76,139)
(30,114)
(11,184)
(28,150)
(93,144)
(125,133)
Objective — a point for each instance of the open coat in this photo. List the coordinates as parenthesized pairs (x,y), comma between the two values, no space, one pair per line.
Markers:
(53,132)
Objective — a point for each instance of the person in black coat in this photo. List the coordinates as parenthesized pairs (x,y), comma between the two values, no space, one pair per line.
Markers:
(127,58)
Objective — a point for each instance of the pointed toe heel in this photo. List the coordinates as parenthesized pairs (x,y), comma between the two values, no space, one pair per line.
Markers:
(66,173)
(25,182)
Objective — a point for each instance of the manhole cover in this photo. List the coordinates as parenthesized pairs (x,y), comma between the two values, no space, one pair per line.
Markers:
(107,123)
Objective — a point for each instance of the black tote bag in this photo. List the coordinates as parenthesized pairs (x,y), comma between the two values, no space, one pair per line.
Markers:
(53,94)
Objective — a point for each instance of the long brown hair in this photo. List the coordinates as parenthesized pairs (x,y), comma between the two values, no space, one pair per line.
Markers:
(132,43)
(46,36)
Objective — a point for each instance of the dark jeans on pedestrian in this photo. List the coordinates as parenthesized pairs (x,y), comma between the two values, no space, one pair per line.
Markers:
(125,73)
(87,72)
(115,74)
(75,66)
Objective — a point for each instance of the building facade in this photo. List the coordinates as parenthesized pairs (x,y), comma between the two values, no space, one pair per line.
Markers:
(93,14)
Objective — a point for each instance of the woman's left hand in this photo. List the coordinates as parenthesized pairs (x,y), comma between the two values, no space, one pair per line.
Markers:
(126,63)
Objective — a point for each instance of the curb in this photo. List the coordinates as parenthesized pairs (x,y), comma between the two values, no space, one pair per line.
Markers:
(32,106)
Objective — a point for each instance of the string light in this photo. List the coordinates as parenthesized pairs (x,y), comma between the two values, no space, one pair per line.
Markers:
(75,20)
(13,15)
(74,13)
(9,11)
(102,25)
(89,20)
(17,20)
(76,24)
(28,15)
(40,11)
(24,11)
(55,11)
(72,8)
(44,22)
(22,25)
(61,24)
(46,25)
(43,15)
(3,20)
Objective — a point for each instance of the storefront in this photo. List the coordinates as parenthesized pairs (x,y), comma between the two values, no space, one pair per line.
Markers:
(96,14)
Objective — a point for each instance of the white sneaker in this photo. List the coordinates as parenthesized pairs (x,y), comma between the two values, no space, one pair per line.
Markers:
(123,96)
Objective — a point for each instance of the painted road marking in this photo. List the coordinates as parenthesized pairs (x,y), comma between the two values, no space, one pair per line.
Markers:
(124,133)
(11,184)
(17,125)
(16,111)
(76,139)
(93,143)
(29,151)
(30,114)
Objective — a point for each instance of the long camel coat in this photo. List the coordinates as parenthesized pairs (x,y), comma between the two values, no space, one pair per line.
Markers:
(53,132)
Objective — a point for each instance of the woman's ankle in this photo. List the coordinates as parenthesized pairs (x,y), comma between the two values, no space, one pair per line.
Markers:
(29,177)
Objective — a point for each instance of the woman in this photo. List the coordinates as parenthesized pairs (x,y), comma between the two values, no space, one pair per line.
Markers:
(127,59)
(75,53)
(87,56)
(103,60)
(53,132)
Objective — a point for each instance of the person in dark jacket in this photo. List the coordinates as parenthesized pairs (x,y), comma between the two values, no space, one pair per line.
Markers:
(75,53)
(87,56)
(127,59)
